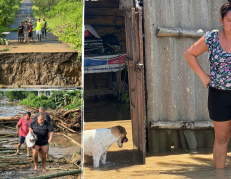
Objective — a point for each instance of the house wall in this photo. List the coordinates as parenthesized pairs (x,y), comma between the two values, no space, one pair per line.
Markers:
(174,91)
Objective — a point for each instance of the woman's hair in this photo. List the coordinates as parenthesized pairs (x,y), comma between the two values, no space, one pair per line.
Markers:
(225,8)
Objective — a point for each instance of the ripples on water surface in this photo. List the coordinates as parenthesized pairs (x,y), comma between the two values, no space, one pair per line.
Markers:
(9,109)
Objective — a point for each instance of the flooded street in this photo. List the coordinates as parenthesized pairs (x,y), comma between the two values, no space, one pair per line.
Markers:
(62,150)
(9,109)
(122,162)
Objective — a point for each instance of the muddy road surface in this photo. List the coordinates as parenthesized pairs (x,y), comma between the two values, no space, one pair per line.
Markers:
(49,62)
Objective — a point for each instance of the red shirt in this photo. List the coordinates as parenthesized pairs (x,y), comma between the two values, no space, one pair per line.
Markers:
(30,29)
(24,129)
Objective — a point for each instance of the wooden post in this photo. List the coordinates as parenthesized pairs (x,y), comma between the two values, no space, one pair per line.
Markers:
(109,78)
(182,139)
(65,100)
(117,79)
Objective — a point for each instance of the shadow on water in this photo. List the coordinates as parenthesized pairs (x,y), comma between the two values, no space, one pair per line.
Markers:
(115,161)
(106,110)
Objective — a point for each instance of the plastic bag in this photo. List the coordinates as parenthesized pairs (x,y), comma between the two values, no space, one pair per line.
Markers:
(31,139)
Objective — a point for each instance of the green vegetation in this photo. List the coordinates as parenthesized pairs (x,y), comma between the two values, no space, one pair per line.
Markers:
(5,49)
(125,96)
(2,41)
(64,19)
(17,95)
(1,95)
(59,99)
(8,9)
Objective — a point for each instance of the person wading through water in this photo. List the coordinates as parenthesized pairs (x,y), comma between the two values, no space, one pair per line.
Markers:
(39,30)
(24,129)
(41,128)
(47,118)
(218,44)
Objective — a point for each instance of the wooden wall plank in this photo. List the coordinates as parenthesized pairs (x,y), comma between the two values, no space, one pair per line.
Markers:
(106,18)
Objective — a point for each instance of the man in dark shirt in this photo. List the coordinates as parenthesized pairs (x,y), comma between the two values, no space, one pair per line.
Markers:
(41,128)
(42,109)
(21,31)
(44,28)
(47,118)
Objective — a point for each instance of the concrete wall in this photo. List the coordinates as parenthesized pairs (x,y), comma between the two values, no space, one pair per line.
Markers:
(174,91)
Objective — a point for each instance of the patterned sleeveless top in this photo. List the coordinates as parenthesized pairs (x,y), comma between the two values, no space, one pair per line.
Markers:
(220,62)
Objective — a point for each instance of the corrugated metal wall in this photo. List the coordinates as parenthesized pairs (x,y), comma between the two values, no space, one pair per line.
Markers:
(175,92)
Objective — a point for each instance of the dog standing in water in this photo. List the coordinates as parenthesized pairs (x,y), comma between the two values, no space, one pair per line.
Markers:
(98,141)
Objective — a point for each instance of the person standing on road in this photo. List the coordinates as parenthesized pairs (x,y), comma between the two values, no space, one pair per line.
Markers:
(39,29)
(31,29)
(218,44)
(26,32)
(24,130)
(44,28)
(21,31)
(41,128)
(30,32)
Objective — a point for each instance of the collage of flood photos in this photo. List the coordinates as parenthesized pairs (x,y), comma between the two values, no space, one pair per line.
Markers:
(115,89)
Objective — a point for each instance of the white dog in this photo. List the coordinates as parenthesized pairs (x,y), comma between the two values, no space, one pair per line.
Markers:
(98,141)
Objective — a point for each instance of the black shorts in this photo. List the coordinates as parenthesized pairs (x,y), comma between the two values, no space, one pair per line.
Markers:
(41,143)
(219,104)
(21,139)
(30,34)
(20,35)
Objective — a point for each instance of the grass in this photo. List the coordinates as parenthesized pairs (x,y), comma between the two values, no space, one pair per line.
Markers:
(65,21)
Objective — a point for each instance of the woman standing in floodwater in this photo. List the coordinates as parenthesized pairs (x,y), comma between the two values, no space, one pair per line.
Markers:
(218,43)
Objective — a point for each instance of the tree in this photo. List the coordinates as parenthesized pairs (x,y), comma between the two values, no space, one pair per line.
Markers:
(18,95)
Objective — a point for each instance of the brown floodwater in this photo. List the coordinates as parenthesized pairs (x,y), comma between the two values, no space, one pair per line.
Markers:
(59,146)
(9,109)
(123,162)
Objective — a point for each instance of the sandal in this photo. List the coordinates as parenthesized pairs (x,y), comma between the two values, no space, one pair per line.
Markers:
(17,153)
(29,155)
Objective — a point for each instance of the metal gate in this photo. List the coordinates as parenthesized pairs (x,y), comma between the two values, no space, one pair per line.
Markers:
(135,65)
